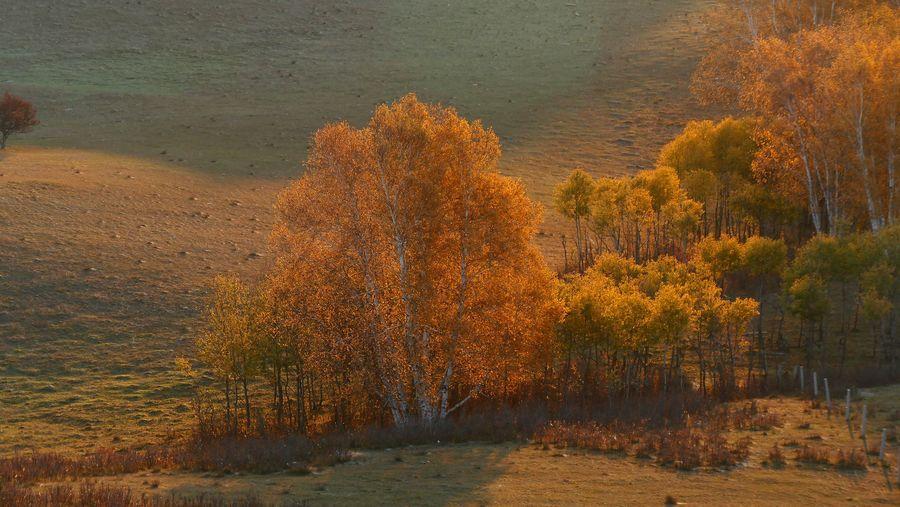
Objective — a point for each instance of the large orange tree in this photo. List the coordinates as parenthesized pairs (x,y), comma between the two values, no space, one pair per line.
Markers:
(411,261)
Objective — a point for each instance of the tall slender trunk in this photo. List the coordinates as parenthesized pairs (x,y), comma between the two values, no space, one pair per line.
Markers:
(578,241)
(301,402)
(875,219)
(228,401)
(246,400)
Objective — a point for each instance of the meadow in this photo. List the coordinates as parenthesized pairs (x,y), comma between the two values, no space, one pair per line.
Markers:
(165,139)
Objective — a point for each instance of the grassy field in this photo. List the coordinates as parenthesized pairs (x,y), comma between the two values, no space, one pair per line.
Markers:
(104,263)
(528,474)
(168,128)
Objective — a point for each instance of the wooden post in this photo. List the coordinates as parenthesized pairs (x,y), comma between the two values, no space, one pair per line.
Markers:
(779,373)
(883,448)
(815,386)
(862,433)
(802,381)
(862,425)
(847,414)
(796,376)
(827,396)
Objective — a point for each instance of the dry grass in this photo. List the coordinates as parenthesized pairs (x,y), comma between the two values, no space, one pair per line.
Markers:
(753,416)
(612,89)
(105,263)
(845,459)
(97,494)
(683,448)
(518,473)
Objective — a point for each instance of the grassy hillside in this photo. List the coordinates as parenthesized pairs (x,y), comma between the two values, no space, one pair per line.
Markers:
(168,127)
(237,87)
(103,262)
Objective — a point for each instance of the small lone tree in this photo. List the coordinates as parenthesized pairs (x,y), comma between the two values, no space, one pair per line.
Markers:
(17,116)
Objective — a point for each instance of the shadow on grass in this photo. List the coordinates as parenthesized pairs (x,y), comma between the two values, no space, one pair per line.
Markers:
(411,475)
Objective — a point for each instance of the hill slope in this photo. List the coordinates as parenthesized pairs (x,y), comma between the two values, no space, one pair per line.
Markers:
(167,134)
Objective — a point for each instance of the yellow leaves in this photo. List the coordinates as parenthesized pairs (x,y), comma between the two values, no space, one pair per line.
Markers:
(662,184)
(627,306)
(725,149)
(762,256)
(722,255)
(572,198)
(235,321)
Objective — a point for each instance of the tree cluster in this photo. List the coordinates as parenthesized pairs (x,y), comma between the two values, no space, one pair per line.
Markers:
(406,281)
(824,84)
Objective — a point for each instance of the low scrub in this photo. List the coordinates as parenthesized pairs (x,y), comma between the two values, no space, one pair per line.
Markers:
(42,466)
(775,457)
(685,448)
(754,417)
(852,459)
(89,493)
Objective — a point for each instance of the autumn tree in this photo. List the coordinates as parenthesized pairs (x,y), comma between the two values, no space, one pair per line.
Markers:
(572,199)
(629,327)
(17,116)
(826,98)
(416,257)
(228,346)
(880,294)
(763,259)
(742,24)
(722,257)
(644,216)
(713,162)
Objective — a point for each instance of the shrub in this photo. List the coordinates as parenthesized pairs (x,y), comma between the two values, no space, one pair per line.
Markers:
(754,417)
(853,459)
(813,455)
(103,495)
(685,448)
(776,457)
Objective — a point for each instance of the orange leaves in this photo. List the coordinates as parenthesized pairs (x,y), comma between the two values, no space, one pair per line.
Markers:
(17,115)
(826,92)
(404,240)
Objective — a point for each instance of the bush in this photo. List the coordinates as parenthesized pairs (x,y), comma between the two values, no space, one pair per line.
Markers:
(28,468)
(813,455)
(853,459)
(685,448)
(102,495)
(776,457)
(753,417)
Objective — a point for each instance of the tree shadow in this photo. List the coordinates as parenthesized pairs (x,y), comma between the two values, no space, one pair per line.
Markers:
(414,475)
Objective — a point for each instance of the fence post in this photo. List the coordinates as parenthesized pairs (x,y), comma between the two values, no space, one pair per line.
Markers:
(815,386)
(862,432)
(882,450)
(802,381)
(827,396)
(847,414)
